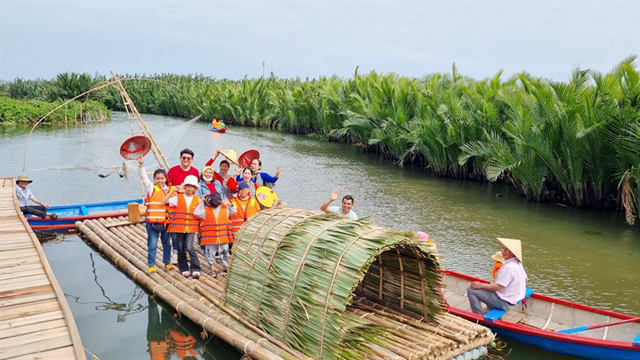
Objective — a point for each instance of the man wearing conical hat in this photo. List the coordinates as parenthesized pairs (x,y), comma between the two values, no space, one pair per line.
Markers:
(510,285)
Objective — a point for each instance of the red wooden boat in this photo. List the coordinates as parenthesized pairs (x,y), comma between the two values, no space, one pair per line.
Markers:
(539,322)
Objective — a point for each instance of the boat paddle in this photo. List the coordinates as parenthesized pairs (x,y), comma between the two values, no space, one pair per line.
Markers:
(590,327)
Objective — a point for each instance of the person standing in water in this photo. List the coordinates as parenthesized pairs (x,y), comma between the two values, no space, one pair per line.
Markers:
(345,209)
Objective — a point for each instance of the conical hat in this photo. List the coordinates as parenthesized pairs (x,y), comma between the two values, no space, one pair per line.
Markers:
(266,197)
(230,155)
(514,245)
(498,256)
(247,157)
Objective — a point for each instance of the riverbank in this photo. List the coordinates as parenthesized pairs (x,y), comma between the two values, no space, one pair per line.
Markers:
(14,112)
(575,143)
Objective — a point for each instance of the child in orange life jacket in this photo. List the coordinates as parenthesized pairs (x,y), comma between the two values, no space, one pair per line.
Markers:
(156,217)
(215,229)
(185,224)
(246,207)
(498,259)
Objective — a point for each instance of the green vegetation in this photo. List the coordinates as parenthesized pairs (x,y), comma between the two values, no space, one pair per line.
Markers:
(575,142)
(29,111)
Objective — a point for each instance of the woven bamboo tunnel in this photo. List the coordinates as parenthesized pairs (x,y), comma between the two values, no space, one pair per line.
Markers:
(332,287)
(384,319)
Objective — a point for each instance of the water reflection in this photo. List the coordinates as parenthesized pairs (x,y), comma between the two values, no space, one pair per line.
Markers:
(166,338)
(131,307)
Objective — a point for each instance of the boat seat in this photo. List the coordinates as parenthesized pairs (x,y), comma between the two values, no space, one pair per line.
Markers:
(496,314)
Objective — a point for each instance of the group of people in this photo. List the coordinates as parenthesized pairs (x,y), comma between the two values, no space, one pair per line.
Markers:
(214,205)
(184,203)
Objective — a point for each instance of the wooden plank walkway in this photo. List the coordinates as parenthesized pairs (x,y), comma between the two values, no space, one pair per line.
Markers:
(35,319)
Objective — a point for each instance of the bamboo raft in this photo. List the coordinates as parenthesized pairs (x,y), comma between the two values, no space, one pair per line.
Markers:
(382,300)
(35,319)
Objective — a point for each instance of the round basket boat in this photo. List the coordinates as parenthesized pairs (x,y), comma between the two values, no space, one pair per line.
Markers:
(294,273)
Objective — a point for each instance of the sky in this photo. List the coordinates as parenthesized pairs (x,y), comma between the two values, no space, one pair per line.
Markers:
(310,39)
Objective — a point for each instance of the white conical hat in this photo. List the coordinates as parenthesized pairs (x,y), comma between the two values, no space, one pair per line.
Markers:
(498,257)
(514,245)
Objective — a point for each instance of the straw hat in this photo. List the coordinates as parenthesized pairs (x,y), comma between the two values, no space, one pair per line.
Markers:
(498,257)
(230,155)
(514,245)
(191,180)
(23,177)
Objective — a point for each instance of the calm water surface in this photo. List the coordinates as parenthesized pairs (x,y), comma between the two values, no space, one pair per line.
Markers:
(589,257)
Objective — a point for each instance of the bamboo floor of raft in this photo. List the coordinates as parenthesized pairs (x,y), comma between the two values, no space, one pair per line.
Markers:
(35,319)
(201,301)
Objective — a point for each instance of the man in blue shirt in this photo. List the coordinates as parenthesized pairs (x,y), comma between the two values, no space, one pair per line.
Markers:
(24,194)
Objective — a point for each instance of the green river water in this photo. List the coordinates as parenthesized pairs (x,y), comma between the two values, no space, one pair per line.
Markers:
(585,256)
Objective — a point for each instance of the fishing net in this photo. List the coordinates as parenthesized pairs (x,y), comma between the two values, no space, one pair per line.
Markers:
(101,155)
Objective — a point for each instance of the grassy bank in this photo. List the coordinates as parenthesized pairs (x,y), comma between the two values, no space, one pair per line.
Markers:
(574,142)
(14,111)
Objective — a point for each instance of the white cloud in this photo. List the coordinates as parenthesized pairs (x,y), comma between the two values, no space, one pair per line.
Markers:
(230,39)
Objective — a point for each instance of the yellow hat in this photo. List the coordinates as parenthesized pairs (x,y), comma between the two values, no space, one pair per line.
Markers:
(514,245)
(230,155)
(266,197)
(498,256)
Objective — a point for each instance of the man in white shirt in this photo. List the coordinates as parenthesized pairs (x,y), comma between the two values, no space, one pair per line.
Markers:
(345,209)
(24,194)
(510,285)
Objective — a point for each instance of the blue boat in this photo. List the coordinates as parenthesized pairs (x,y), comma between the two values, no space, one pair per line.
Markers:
(553,324)
(69,214)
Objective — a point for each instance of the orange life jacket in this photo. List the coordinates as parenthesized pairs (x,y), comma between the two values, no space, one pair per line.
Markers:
(183,344)
(239,218)
(216,230)
(158,349)
(181,219)
(496,266)
(157,212)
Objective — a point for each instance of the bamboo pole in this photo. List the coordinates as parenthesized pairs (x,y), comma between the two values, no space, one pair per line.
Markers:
(462,338)
(247,341)
(234,338)
(141,124)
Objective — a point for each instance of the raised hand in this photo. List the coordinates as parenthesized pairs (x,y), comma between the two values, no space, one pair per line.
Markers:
(335,195)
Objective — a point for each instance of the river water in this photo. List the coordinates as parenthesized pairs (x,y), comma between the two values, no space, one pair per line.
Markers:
(585,256)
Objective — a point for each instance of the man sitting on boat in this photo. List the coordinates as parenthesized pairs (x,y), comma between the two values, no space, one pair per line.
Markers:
(510,285)
(24,194)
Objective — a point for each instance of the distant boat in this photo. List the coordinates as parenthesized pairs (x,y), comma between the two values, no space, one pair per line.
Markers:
(541,322)
(69,214)
(220,130)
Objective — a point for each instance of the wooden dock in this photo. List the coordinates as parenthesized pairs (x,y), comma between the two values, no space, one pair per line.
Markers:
(35,319)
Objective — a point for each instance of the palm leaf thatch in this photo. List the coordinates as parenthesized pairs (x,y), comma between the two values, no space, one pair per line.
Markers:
(294,273)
